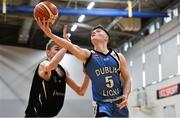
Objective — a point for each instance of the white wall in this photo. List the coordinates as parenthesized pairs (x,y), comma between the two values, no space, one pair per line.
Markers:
(167,37)
(74,104)
(154,106)
(17,67)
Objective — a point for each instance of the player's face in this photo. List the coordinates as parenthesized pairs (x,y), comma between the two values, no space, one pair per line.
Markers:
(98,35)
(53,51)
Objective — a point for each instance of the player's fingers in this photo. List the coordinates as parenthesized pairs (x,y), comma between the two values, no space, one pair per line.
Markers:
(35,18)
(65,32)
(39,22)
(122,104)
(47,23)
(44,21)
(65,29)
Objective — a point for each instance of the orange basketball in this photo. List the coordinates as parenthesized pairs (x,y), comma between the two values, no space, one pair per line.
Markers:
(46,10)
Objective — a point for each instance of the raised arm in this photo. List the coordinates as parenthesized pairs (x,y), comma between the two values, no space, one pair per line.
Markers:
(81,54)
(80,90)
(46,66)
(126,79)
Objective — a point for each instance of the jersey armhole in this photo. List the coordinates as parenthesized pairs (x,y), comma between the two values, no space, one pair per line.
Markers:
(117,55)
(63,70)
(118,59)
(36,73)
(87,61)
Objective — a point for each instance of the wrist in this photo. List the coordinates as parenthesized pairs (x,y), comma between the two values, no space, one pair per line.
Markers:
(50,35)
(65,50)
(125,96)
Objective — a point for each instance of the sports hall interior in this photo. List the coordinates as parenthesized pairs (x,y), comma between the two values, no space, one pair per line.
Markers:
(146,32)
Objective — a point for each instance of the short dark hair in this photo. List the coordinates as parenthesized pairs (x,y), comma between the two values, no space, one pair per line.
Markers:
(101,27)
(50,44)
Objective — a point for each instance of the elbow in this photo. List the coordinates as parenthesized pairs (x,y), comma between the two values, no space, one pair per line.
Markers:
(81,93)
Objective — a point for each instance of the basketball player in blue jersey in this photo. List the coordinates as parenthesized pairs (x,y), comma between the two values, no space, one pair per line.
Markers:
(106,69)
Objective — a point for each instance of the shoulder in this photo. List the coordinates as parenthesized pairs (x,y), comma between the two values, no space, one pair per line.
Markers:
(43,65)
(83,49)
(86,51)
(43,71)
(120,55)
(122,58)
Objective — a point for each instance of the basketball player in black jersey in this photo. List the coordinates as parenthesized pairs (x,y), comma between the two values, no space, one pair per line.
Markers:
(49,84)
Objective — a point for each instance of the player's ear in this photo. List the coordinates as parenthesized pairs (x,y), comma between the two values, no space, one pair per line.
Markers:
(106,38)
(47,52)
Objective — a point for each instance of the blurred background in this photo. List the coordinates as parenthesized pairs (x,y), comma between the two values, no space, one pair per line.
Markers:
(147,32)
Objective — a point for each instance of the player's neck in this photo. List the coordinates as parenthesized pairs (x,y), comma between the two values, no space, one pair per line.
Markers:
(102,49)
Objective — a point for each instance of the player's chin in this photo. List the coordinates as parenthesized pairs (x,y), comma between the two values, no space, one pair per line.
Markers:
(93,39)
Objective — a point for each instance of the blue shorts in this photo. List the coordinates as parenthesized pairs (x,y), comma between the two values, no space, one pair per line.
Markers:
(111,110)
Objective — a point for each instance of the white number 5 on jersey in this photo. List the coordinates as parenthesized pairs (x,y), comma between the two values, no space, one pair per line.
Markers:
(109,81)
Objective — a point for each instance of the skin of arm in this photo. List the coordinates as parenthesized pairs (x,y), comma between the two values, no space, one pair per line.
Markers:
(80,53)
(46,66)
(80,90)
(127,81)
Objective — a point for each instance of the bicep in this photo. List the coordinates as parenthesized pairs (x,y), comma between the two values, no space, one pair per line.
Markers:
(123,67)
(80,53)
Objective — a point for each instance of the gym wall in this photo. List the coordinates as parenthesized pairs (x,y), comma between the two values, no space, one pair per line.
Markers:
(160,47)
(17,69)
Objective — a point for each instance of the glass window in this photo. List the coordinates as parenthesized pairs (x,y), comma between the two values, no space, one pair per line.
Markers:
(126,46)
(157,24)
(167,19)
(175,12)
(151,28)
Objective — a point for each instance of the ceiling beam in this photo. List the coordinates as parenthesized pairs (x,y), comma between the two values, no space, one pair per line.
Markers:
(24,31)
(92,12)
(117,19)
(100,1)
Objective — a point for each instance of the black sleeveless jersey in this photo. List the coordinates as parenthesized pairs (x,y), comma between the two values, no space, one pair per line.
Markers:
(46,97)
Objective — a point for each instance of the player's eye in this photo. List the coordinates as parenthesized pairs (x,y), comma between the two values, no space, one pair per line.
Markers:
(57,49)
(98,30)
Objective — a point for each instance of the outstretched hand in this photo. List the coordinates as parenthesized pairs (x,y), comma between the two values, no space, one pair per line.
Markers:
(44,25)
(65,35)
(123,103)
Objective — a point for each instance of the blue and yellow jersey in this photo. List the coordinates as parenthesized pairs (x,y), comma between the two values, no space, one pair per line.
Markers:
(103,69)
